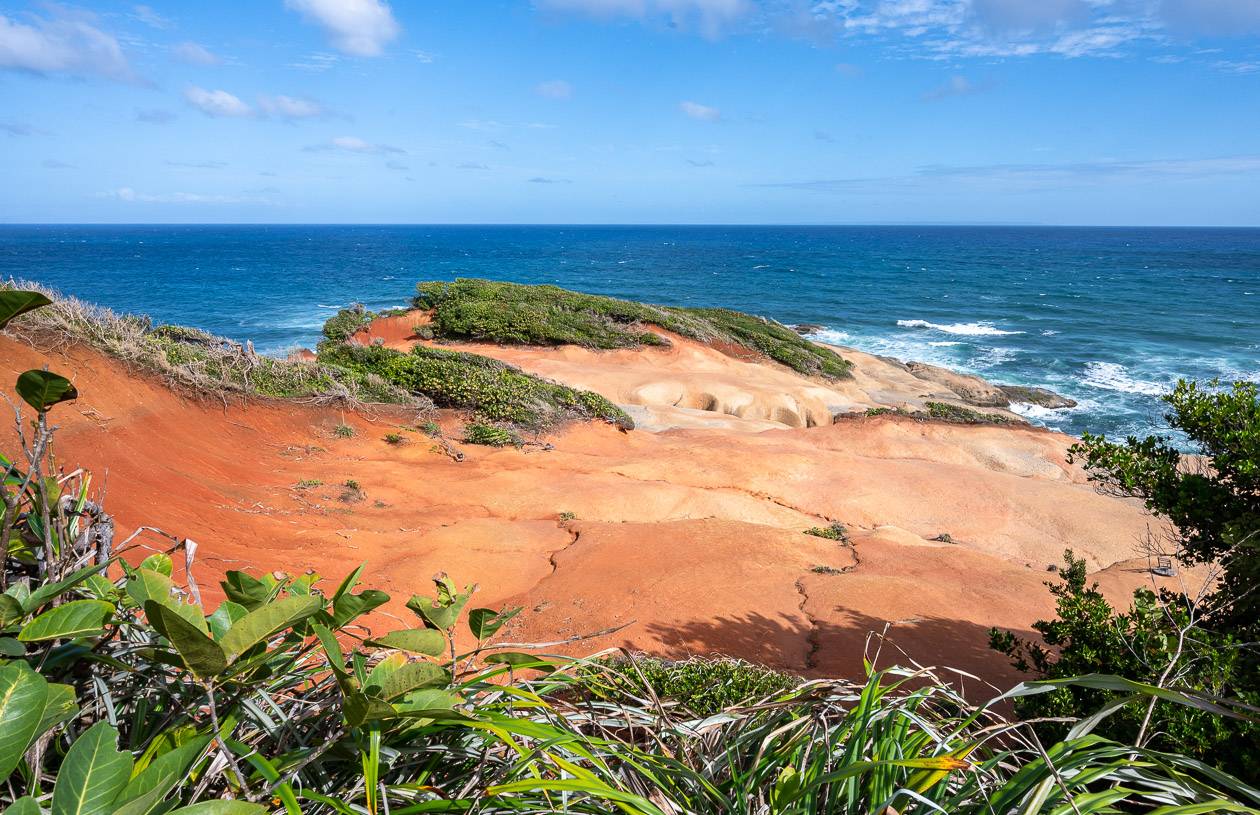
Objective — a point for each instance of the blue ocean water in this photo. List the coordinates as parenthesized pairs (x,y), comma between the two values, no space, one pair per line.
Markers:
(1108,316)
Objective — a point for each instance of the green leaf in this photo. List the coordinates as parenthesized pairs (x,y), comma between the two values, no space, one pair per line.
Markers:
(262,623)
(246,590)
(148,801)
(15,302)
(221,808)
(10,610)
(166,771)
(519,660)
(349,606)
(408,677)
(201,655)
(78,618)
(486,622)
(59,706)
(224,617)
(43,389)
(92,775)
(22,696)
(159,563)
(26,805)
(416,640)
(10,647)
(147,584)
(48,591)
(441,616)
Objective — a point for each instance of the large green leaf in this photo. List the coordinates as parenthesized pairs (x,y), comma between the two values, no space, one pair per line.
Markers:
(33,600)
(441,616)
(14,302)
(10,610)
(92,775)
(246,590)
(201,655)
(486,622)
(26,805)
(224,617)
(409,677)
(146,584)
(43,389)
(22,696)
(78,618)
(149,801)
(349,606)
(262,623)
(416,640)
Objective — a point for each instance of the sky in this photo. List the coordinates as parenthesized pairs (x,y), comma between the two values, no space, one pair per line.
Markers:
(1084,112)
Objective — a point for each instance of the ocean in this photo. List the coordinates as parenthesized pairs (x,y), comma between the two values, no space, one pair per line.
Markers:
(1108,316)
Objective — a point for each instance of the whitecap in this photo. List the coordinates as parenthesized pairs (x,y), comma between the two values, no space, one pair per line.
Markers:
(1113,376)
(980,329)
(762,266)
(945,343)
(321,305)
(1049,332)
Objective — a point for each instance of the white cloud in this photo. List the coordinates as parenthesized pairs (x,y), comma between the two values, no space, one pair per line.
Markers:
(289,107)
(711,17)
(359,27)
(68,43)
(216,103)
(195,54)
(354,144)
(703,113)
(151,18)
(554,89)
(130,195)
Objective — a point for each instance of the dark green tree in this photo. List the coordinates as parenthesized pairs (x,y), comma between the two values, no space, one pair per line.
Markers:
(1201,640)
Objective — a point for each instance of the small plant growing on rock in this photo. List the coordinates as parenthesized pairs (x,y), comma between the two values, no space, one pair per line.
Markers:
(343,431)
(307,483)
(833,532)
(431,429)
(568,516)
(394,438)
(352,491)
(823,569)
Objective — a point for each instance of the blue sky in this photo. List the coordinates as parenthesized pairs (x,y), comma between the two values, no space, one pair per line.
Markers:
(632,111)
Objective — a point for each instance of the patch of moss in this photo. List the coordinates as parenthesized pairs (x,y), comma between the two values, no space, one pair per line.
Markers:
(516,314)
(494,391)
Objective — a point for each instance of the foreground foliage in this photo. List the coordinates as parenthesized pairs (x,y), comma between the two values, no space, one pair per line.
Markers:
(1202,637)
(512,313)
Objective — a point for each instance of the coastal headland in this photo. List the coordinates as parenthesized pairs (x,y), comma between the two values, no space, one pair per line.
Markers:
(685,481)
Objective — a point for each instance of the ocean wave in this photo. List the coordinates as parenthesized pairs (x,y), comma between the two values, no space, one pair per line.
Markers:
(321,305)
(981,329)
(1113,376)
(945,343)
(832,336)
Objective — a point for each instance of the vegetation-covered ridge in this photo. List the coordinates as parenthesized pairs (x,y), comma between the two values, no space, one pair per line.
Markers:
(492,390)
(194,358)
(516,314)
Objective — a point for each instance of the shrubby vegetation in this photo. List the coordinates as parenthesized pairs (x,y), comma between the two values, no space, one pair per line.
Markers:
(196,359)
(493,390)
(1203,637)
(512,313)
(122,692)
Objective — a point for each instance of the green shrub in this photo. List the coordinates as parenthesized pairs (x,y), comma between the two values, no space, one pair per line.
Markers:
(1203,641)
(431,429)
(835,531)
(958,414)
(343,431)
(493,390)
(308,483)
(512,313)
(393,438)
(346,322)
(490,436)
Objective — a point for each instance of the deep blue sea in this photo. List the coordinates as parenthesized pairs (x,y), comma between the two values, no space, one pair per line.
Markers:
(1109,316)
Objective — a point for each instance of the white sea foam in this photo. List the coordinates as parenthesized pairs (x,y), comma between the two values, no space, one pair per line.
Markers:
(321,305)
(981,329)
(832,336)
(1113,376)
(945,343)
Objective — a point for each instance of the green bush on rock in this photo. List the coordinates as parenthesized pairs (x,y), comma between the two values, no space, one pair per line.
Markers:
(511,313)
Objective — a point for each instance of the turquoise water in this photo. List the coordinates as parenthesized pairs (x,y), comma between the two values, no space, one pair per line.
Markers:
(1110,317)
